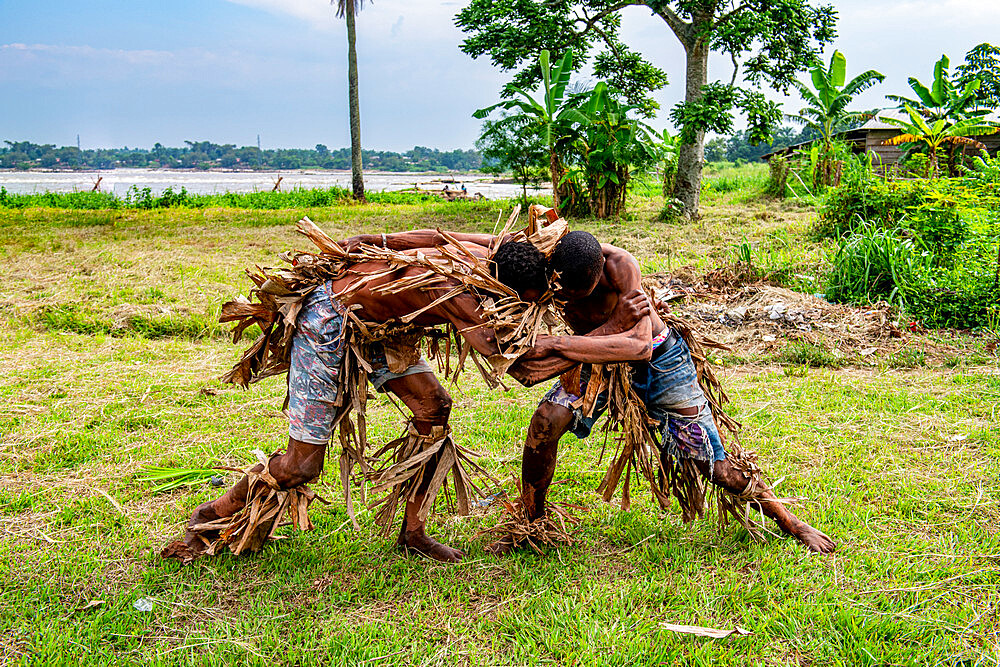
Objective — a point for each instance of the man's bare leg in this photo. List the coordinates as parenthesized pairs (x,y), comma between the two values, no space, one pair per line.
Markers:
(431,406)
(300,463)
(728,477)
(725,475)
(538,463)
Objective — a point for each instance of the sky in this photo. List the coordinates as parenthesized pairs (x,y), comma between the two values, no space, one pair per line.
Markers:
(135,72)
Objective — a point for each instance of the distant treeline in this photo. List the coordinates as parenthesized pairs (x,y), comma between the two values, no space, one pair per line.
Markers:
(739,148)
(206,155)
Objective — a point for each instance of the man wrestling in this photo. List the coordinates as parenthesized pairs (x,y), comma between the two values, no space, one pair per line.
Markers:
(316,361)
(599,286)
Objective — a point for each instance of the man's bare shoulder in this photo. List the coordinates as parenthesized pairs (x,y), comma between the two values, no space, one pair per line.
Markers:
(620,267)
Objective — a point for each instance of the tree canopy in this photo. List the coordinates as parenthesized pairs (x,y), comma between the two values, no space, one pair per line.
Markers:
(767,41)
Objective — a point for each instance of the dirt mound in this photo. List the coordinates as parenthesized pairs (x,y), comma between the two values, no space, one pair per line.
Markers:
(758,319)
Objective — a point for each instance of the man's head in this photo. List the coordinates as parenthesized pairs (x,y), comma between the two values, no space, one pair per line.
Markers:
(579,262)
(522,267)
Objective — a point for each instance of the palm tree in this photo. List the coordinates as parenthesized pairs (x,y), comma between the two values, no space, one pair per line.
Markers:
(551,113)
(932,137)
(347,9)
(943,100)
(827,112)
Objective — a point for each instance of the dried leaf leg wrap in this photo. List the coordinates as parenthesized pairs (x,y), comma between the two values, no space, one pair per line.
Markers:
(266,506)
(636,447)
(679,476)
(741,506)
(552,529)
(417,464)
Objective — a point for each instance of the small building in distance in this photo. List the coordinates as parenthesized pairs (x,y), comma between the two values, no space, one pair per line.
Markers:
(870,137)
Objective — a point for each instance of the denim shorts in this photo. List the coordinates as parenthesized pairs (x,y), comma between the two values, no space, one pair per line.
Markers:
(317,360)
(666,384)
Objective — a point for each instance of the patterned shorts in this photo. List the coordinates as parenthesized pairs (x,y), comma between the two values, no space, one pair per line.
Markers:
(316,363)
(667,384)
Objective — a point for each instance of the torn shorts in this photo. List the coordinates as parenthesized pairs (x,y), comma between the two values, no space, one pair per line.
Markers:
(317,361)
(666,384)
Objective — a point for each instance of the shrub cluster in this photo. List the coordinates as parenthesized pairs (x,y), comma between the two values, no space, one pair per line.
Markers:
(930,246)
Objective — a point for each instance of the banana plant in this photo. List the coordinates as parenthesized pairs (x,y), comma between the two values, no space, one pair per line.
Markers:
(555,116)
(609,147)
(829,97)
(943,100)
(665,147)
(936,133)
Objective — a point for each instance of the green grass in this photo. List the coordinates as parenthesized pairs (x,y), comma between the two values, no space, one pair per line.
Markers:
(144,199)
(804,353)
(898,462)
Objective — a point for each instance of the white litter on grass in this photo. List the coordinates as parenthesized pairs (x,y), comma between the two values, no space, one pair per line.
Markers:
(143,604)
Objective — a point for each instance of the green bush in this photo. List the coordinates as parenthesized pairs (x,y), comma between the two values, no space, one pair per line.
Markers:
(873,264)
(939,229)
(72,200)
(144,199)
(866,199)
(955,290)
(963,295)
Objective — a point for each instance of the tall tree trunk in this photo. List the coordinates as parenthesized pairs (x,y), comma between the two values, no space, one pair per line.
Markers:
(691,157)
(357,177)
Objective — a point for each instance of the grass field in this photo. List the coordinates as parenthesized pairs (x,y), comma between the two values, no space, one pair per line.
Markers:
(109,358)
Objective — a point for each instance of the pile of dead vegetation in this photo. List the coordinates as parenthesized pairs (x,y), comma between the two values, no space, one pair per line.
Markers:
(760,321)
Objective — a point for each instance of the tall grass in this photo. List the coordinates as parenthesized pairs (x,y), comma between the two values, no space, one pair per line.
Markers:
(874,264)
(725,179)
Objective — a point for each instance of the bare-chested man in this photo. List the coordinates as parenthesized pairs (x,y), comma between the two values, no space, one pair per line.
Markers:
(316,361)
(599,287)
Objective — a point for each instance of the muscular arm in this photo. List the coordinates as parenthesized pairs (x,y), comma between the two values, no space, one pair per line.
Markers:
(621,338)
(418,238)
(463,312)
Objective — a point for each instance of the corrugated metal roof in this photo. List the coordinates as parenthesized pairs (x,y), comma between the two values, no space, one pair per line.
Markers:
(873,124)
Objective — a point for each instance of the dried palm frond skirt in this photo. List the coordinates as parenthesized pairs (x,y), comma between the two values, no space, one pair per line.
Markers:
(638,451)
(402,470)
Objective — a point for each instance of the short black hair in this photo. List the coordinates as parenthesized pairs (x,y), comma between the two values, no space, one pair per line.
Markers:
(521,267)
(578,259)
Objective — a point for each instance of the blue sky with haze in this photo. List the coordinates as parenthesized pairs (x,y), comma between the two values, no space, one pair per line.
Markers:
(136,72)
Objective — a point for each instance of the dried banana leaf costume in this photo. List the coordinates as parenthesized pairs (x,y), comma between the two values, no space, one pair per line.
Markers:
(369,351)
(330,354)
(658,443)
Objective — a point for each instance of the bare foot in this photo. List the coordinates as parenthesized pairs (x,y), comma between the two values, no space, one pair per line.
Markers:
(180,551)
(194,544)
(422,543)
(502,547)
(813,539)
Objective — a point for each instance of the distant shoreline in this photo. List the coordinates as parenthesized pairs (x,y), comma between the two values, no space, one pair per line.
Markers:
(220,170)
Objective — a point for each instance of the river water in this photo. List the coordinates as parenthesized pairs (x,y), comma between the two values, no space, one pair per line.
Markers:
(119,181)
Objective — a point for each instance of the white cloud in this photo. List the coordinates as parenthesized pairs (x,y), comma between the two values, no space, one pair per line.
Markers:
(394,31)
(936,13)
(136,57)
(319,14)
(54,65)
